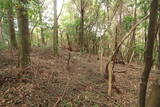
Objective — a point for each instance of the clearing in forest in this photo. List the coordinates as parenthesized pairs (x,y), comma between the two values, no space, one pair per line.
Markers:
(49,81)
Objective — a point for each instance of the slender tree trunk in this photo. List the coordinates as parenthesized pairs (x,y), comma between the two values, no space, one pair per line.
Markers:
(61,34)
(81,36)
(55,30)
(159,49)
(145,35)
(118,58)
(1,34)
(22,15)
(42,35)
(69,42)
(12,34)
(38,42)
(116,38)
(145,32)
(149,52)
(132,42)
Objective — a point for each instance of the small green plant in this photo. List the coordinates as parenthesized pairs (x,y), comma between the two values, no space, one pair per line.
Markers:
(66,104)
(127,22)
(139,48)
(95,105)
(3,46)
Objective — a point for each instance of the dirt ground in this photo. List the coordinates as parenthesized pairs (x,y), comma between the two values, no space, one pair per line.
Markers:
(53,82)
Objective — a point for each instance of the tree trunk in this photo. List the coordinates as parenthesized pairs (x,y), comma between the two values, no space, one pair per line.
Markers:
(55,30)
(145,35)
(154,97)
(69,42)
(1,34)
(116,38)
(24,51)
(81,36)
(118,58)
(42,35)
(12,34)
(149,52)
(132,42)
(159,49)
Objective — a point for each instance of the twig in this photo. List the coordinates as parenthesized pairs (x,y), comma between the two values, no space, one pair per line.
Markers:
(60,98)
(64,93)
(67,84)
(117,104)
(124,71)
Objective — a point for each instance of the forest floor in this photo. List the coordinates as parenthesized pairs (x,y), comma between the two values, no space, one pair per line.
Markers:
(51,82)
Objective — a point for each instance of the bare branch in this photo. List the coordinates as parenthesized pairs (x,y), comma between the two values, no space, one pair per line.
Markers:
(128,34)
(78,8)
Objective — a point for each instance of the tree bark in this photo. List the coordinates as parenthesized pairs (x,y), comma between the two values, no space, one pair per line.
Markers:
(1,34)
(55,30)
(11,30)
(149,52)
(154,97)
(69,42)
(81,36)
(159,49)
(42,35)
(116,38)
(145,41)
(24,46)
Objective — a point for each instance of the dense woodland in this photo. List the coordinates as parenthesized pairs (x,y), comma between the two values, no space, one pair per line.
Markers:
(80,53)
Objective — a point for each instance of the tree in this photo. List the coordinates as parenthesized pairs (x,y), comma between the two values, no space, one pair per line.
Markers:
(24,45)
(81,34)
(55,30)
(132,42)
(149,52)
(1,35)
(11,30)
(159,47)
(40,10)
(42,30)
(81,6)
(154,97)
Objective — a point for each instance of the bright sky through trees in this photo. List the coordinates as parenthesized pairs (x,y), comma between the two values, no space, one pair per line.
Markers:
(48,11)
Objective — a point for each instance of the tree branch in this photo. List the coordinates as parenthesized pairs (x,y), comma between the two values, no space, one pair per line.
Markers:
(61,10)
(128,34)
